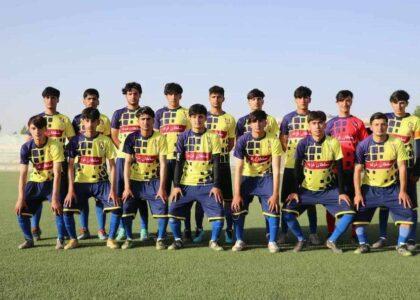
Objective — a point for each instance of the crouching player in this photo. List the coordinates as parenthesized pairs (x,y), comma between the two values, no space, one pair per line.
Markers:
(257,173)
(145,176)
(46,156)
(383,158)
(88,176)
(316,155)
(197,177)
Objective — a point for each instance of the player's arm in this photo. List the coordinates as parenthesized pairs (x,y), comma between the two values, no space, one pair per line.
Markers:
(283,141)
(127,173)
(273,202)
(403,197)
(23,177)
(237,198)
(357,181)
(70,175)
(163,174)
(55,203)
(114,137)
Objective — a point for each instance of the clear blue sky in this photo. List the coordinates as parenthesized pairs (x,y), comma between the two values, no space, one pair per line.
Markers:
(370,47)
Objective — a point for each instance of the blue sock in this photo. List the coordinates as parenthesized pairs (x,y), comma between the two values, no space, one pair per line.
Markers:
(36,218)
(114,223)
(216,228)
(361,235)
(311,211)
(187,221)
(403,235)
(383,222)
(144,215)
(84,216)
(128,226)
(100,216)
(61,227)
(199,215)
(239,224)
(273,223)
(228,217)
(412,236)
(283,224)
(70,225)
(162,224)
(175,225)
(25,225)
(294,226)
(341,227)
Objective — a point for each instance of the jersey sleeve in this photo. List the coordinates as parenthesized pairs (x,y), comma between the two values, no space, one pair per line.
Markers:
(129,144)
(24,154)
(180,144)
(110,149)
(231,131)
(75,124)
(240,149)
(276,149)
(274,126)
(157,124)
(57,152)
(68,129)
(360,154)
(401,152)
(163,146)
(115,120)
(336,147)
(107,126)
(216,144)
(240,127)
(284,126)
(300,150)
(362,133)
(328,127)
(72,147)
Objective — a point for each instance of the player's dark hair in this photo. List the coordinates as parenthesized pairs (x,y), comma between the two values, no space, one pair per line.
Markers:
(378,116)
(302,92)
(49,91)
(197,109)
(343,94)
(132,85)
(317,115)
(217,90)
(254,93)
(399,95)
(145,110)
(92,92)
(90,113)
(38,121)
(173,88)
(257,115)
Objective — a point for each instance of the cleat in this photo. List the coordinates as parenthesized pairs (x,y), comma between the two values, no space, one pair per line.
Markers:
(160,245)
(273,247)
(282,238)
(73,243)
(299,246)
(215,246)
(333,246)
(112,244)
(239,246)
(199,235)
(121,234)
(59,245)
(403,251)
(26,244)
(176,245)
(411,245)
(379,243)
(128,244)
(314,239)
(187,236)
(36,233)
(229,236)
(84,234)
(144,235)
(102,235)
(362,249)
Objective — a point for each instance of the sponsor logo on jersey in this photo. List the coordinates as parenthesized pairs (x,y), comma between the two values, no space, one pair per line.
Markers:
(379,164)
(198,156)
(258,159)
(318,165)
(147,159)
(172,128)
(90,160)
(47,165)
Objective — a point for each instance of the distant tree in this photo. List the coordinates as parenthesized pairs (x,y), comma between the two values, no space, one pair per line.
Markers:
(0,127)
(417,111)
(23,130)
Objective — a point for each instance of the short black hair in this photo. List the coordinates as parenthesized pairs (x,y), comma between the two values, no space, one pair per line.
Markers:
(257,115)
(255,93)
(49,91)
(145,110)
(302,92)
(90,113)
(38,121)
(217,90)
(197,109)
(378,116)
(399,95)
(317,115)
(132,85)
(343,94)
(173,88)
(93,92)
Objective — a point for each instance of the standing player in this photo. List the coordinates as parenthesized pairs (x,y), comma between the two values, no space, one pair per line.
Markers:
(91,99)
(383,158)
(145,176)
(46,156)
(257,173)
(197,177)
(88,177)
(349,131)
(405,127)
(316,156)
(294,128)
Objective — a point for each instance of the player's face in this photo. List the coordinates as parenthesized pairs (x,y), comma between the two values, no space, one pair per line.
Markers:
(379,127)
(317,128)
(399,107)
(37,133)
(198,122)
(51,102)
(258,126)
(345,105)
(133,97)
(256,103)
(216,100)
(146,122)
(90,125)
(303,102)
(173,99)
(91,101)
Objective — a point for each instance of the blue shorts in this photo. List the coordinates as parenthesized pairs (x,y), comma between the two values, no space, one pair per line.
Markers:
(328,198)
(260,187)
(382,197)
(119,173)
(145,191)
(213,209)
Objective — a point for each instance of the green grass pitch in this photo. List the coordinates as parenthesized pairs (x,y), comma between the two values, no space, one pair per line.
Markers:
(94,271)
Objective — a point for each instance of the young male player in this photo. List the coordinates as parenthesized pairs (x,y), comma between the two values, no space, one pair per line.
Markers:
(257,173)
(145,176)
(197,177)
(88,154)
(294,128)
(91,99)
(383,158)
(349,131)
(405,127)
(46,156)
(316,156)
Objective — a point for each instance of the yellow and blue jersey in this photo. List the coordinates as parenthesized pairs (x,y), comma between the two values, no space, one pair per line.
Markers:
(198,150)
(42,158)
(224,126)
(145,152)
(90,156)
(104,126)
(318,160)
(171,123)
(380,160)
(242,126)
(257,153)
(126,122)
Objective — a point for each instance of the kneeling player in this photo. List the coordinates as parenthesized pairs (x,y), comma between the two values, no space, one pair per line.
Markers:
(145,176)
(88,176)
(197,177)
(379,155)
(257,173)
(316,155)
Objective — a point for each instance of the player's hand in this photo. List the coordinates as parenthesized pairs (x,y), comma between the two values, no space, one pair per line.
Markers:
(291,197)
(128,193)
(404,199)
(273,203)
(56,207)
(344,197)
(20,205)
(217,193)
(237,202)
(176,194)
(358,199)
(113,196)
(68,201)
(162,195)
